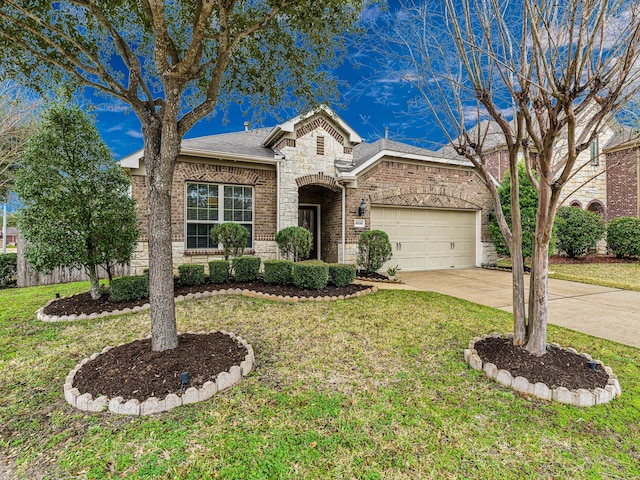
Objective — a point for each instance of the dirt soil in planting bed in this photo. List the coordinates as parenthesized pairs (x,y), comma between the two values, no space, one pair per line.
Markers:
(372,276)
(560,259)
(83,303)
(556,368)
(135,371)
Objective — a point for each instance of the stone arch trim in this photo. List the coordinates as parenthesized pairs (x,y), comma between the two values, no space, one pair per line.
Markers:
(597,206)
(319,179)
(221,174)
(431,200)
(575,203)
(320,122)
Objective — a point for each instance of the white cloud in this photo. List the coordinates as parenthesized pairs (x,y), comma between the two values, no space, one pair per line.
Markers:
(134,133)
(471,113)
(115,128)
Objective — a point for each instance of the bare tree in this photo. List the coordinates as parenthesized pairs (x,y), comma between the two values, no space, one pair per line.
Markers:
(17,115)
(174,63)
(538,77)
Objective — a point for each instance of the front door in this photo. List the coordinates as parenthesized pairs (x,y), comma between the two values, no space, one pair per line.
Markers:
(308,218)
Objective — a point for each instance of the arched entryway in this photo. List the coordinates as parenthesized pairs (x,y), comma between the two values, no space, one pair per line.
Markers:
(320,212)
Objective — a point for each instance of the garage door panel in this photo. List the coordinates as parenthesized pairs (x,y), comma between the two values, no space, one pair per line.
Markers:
(424,239)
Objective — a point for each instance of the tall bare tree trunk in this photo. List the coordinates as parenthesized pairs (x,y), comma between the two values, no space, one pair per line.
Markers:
(517,268)
(160,152)
(92,270)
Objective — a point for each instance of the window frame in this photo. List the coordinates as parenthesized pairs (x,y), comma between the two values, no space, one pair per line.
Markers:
(220,187)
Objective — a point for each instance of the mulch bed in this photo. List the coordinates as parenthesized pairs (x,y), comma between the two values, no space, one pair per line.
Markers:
(134,371)
(83,303)
(372,276)
(556,368)
(561,259)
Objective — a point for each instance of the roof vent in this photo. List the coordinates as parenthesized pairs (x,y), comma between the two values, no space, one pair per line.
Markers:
(246,126)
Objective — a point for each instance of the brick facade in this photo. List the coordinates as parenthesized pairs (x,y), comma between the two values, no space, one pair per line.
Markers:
(622,184)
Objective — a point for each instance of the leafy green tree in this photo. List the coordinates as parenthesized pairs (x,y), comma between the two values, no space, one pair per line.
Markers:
(528,208)
(578,231)
(77,211)
(175,63)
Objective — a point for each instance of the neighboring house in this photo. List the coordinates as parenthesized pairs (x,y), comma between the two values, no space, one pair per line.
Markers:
(606,178)
(12,236)
(315,171)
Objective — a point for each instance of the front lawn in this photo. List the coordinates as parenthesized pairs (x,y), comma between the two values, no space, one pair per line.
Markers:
(616,275)
(373,387)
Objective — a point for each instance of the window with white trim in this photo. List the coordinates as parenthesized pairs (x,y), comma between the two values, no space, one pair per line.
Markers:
(208,204)
(595,153)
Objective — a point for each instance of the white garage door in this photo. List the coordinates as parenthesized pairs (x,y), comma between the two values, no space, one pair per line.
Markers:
(423,239)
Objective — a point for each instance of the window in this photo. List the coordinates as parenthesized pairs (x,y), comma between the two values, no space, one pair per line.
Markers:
(320,145)
(208,204)
(595,154)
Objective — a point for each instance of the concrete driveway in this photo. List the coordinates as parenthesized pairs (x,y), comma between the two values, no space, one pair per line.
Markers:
(599,311)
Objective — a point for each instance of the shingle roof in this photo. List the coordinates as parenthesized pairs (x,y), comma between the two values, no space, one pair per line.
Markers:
(365,151)
(623,135)
(247,142)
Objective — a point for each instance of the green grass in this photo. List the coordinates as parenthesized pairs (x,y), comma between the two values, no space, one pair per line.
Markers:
(616,275)
(369,388)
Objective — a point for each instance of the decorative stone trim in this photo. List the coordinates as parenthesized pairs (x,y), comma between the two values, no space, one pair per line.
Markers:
(117,405)
(191,296)
(579,398)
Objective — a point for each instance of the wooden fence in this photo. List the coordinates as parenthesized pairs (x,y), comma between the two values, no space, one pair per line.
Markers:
(28,277)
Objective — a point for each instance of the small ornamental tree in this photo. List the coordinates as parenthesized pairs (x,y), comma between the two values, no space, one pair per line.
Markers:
(374,248)
(232,237)
(77,211)
(294,242)
(623,236)
(578,231)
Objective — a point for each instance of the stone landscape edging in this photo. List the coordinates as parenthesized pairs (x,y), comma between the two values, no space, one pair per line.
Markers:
(40,315)
(117,405)
(579,398)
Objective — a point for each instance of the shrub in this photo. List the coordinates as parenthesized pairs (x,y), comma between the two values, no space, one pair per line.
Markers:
(294,242)
(219,271)
(246,269)
(578,231)
(129,288)
(191,274)
(8,269)
(623,236)
(312,274)
(341,274)
(278,271)
(232,236)
(374,249)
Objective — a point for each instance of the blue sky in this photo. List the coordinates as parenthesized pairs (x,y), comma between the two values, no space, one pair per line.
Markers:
(370,105)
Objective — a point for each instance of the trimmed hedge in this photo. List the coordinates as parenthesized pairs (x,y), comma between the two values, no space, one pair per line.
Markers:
(294,242)
(219,271)
(246,269)
(8,269)
(191,274)
(578,231)
(341,274)
(311,275)
(129,288)
(278,271)
(623,236)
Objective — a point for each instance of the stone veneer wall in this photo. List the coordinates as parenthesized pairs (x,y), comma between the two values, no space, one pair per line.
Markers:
(301,159)
(622,184)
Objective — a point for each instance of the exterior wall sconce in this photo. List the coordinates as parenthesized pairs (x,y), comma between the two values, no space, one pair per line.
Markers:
(362,208)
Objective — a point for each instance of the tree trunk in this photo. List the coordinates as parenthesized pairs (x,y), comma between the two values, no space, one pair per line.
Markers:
(160,152)
(538,301)
(95,284)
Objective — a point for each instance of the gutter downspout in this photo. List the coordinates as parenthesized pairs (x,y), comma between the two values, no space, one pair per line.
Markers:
(277,205)
(344,216)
